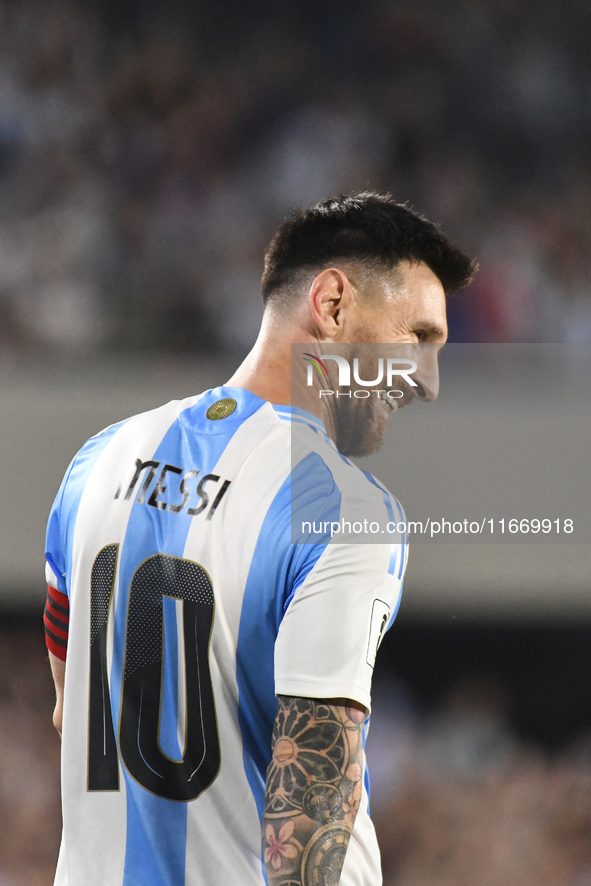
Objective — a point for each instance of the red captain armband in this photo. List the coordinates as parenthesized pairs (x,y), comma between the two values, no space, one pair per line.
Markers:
(56,619)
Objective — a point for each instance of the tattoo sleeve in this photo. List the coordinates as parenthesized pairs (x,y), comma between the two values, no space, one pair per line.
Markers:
(314,784)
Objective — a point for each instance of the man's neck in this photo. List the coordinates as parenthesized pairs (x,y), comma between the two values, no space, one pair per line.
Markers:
(267,373)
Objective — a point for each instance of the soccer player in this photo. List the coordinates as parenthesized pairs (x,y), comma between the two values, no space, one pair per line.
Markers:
(212,676)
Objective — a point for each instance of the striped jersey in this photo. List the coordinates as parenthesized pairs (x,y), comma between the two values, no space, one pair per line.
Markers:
(198,590)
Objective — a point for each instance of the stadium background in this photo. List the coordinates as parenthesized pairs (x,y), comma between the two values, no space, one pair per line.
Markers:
(147,152)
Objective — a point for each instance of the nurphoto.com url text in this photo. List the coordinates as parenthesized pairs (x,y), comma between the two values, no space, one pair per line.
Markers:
(433,528)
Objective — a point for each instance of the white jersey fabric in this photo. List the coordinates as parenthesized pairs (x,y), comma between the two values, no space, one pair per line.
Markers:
(190,609)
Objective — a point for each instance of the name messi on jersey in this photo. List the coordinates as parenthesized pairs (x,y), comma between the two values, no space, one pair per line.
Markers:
(175,496)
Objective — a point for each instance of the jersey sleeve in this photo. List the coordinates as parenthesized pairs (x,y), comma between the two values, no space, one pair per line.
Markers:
(328,638)
(56,613)
(55,553)
(60,522)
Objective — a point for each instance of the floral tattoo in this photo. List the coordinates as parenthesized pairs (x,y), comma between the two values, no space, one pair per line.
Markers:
(314,786)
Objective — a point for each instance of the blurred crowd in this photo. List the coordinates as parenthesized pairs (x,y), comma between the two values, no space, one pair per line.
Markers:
(30,809)
(148,150)
(458,798)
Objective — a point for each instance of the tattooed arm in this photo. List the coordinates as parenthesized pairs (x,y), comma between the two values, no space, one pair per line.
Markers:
(314,784)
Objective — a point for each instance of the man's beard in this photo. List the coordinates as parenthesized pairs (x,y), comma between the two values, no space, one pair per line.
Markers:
(359,423)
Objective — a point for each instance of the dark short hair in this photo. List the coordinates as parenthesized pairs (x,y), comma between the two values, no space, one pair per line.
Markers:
(368,228)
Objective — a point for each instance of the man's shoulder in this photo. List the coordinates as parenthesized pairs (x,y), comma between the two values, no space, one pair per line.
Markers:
(215,411)
(328,490)
(139,424)
(314,448)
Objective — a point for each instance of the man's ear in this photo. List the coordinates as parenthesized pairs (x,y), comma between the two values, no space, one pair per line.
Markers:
(330,296)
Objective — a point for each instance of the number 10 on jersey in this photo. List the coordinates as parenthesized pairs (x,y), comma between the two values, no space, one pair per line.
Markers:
(138,742)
